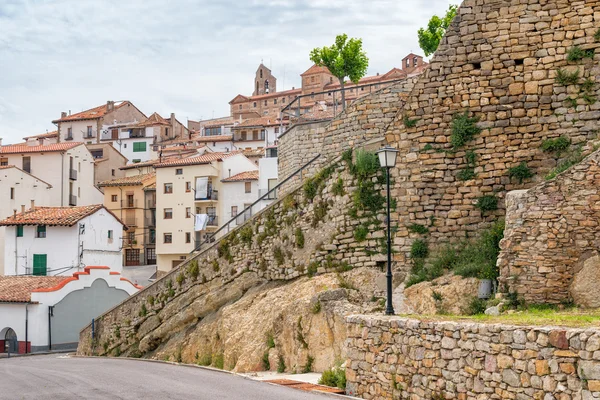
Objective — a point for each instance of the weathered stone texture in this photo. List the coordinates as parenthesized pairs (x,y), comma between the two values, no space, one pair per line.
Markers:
(550,247)
(397,358)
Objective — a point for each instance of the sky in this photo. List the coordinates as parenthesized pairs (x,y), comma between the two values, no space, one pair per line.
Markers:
(182,56)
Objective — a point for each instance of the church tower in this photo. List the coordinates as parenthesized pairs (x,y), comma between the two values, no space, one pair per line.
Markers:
(264,81)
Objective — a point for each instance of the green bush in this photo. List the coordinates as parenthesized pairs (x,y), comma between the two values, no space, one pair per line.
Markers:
(520,172)
(566,78)
(334,377)
(218,361)
(278,255)
(573,158)
(409,123)
(589,98)
(366,197)
(299,238)
(476,306)
(557,145)
(477,258)
(367,163)
(420,229)
(193,269)
(576,53)
(360,233)
(246,234)
(316,308)
(487,203)
(205,360)
(588,85)
(419,249)
(281,365)
(347,156)
(338,187)
(309,365)
(464,128)
(310,189)
(312,269)
(265,361)
(466,174)
(180,279)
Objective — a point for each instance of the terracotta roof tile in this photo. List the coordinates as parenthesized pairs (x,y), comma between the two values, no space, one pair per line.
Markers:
(275,94)
(52,216)
(203,159)
(242,176)
(154,119)
(24,148)
(17,289)
(261,121)
(92,113)
(135,180)
(216,138)
(43,135)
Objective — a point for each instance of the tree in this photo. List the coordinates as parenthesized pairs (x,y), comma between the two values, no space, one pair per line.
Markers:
(345,58)
(429,39)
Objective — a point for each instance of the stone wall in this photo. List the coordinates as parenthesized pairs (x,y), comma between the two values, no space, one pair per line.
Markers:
(551,231)
(498,61)
(363,120)
(308,232)
(397,358)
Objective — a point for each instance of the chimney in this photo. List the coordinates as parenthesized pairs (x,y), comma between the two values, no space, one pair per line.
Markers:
(378,74)
(173,124)
(110,105)
(32,205)
(22,209)
(0,142)
(63,115)
(14,213)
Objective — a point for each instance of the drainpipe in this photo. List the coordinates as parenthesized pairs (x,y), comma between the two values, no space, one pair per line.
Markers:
(50,315)
(26,328)
(16,252)
(62,179)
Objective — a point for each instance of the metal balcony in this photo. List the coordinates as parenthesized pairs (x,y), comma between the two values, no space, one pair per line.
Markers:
(129,203)
(72,200)
(213,220)
(72,174)
(212,195)
(151,204)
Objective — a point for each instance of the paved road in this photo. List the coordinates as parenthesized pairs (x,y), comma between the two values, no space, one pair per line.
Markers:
(60,377)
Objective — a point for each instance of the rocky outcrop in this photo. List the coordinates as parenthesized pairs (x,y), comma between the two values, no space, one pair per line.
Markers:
(447,294)
(586,281)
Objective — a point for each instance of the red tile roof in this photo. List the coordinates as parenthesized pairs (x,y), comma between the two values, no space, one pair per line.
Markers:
(92,113)
(135,180)
(203,159)
(43,135)
(262,121)
(242,176)
(17,289)
(276,94)
(53,216)
(216,138)
(24,148)
(315,69)
(154,119)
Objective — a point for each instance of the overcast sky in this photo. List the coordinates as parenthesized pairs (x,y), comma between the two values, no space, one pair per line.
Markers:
(182,56)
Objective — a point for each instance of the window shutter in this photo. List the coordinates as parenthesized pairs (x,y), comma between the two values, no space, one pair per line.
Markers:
(39,264)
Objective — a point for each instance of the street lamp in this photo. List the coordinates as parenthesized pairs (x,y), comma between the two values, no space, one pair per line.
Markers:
(387,159)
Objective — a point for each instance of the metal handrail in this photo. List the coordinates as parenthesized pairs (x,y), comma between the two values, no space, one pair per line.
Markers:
(211,238)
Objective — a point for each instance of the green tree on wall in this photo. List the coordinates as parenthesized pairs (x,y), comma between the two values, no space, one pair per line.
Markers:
(345,58)
(429,39)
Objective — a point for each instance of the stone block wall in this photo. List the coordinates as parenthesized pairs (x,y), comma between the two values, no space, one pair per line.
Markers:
(293,237)
(397,358)
(551,230)
(498,61)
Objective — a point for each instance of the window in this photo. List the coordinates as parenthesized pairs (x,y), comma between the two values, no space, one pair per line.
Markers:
(188,237)
(19,230)
(277,130)
(130,201)
(69,133)
(40,264)
(260,72)
(113,198)
(415,61)
(312,78)
(97,153)
(179,171)
(254,104)
(89,131)
(139,146)
(166,131)
(262,134)
(234,211)
(112,172)
(254,135)
(27,164)
(12,193)
(274,101)
(79,192)
(188,212)
(168,238)
(407,63)
(212,131)
(136,160)
(283,99)
(110,234)
(240,106)
(168,213)
(3,162)
(40,231)
(243,135)
(248,187)
(265,102)
(188,187)
(168,188)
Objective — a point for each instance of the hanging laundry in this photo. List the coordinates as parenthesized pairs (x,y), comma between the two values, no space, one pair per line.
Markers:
(200,221)
(202,188)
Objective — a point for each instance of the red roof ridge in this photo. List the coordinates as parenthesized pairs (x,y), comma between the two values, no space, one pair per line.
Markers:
(47,148)
(242,176)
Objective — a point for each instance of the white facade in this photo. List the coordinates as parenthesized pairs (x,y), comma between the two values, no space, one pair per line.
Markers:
(58,168)
(267,179)
(85,131)
(17,190)
(235,192)
(129,143)
(67,248)
(12,315)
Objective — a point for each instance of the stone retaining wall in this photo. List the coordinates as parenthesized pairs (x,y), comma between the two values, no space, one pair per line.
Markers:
(551,231)
(397,358)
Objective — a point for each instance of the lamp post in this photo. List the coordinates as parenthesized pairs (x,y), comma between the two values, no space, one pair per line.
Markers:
(387,159)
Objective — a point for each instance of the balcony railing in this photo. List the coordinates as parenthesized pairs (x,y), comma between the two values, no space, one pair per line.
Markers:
(72,174)
(127,242)
(213,220)
(129,203)
(150,221)
(212,195)
(130,221)
(151,203)
(149,239)
(89,136)
(268,194)
(72,200)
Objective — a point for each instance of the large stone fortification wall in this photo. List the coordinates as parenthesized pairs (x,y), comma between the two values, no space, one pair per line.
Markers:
(550,247)
(498,61)
(396,358)
(363,120)
(310,231)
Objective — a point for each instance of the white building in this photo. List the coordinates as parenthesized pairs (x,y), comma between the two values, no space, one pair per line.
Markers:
(39,313)
(260,132)
(67,167)
(19,189)
(268,176)
(61,240)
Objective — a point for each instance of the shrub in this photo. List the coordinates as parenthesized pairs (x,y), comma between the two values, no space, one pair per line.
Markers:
(180,279)
(150,300)
(144,310)
(205,360)
(215,265)
(588,85)
(367,163)
(576,53)
(345,283)
(464,128)
(571,102)
(367,198)
(338,187)
(520,172)
(477,258)
(309,365)
(557,145)
(319,213)
(270,340)
(289,203)
(265,361)
(419,249)
(312,269)
(566,78)
(310,189)
(466,174)
(360,233)
(487,203)
(193,269)
(420,229)
(281,365)
(476,306)
(409,123)
(347,156)
(299,238)
(589,98)
(278,255)
(316,308)
(334,377)
(437,296)
(246,234)
(218,361)
(573,158)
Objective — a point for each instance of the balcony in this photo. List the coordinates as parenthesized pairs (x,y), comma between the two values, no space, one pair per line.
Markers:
(72,174)
(130,221)
(151,204)
(129,203)
(271,196)
(149,239)
(128,242)
(89,136)
(72,200)
(213,220)
(150,220)
(212,195)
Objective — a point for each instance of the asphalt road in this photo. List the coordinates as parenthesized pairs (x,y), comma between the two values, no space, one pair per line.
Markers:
(60,377)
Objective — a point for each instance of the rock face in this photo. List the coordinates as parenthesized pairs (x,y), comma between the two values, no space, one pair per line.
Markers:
(449,293)
(398,358)
(584,289)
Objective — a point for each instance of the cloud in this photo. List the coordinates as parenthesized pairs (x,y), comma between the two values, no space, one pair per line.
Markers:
(183,56)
